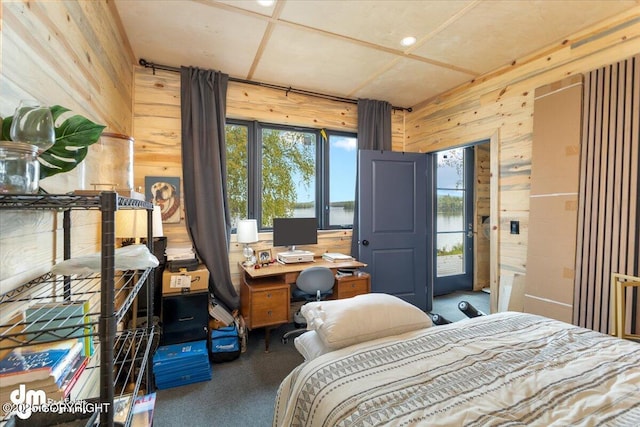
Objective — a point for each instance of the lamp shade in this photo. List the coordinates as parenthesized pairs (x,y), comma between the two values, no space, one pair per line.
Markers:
(132,224)
(157,221)
(247,231)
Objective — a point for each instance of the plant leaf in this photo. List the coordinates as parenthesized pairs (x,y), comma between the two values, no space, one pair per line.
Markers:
(73,137)
(57,111)
(6,128)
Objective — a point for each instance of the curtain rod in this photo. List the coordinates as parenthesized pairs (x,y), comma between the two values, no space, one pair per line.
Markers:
(288,90)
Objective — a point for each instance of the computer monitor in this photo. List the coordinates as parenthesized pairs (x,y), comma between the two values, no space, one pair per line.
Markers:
(295,231)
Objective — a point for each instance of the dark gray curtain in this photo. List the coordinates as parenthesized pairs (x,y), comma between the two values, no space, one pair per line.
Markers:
(203,106)
(374,133)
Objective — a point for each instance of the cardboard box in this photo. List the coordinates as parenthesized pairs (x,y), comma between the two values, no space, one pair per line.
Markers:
(185,281)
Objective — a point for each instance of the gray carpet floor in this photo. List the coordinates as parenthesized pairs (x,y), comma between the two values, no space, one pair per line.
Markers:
(242,392)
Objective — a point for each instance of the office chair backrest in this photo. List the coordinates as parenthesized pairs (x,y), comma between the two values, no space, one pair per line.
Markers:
(314,280)
(312,283)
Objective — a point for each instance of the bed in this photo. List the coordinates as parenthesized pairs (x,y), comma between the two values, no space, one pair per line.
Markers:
(502,369)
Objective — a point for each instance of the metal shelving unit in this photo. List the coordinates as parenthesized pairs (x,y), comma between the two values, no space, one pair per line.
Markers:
(124,357)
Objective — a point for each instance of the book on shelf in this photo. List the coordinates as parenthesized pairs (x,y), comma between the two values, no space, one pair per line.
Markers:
(57,391)
(336,257)
(121,406)
(143,410)
(65,318)
(66,371)
(72,378)
(44,362)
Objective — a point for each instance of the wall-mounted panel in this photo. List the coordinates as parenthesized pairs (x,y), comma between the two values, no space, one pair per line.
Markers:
(608,237)
(555,165)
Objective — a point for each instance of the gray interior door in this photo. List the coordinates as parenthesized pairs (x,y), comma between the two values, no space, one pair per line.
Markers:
(392,214)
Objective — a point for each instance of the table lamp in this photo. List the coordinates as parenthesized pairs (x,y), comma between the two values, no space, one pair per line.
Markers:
(132,224)
(247,232)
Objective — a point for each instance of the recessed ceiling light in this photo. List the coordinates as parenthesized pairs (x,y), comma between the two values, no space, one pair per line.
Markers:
(266,3)
(408,41)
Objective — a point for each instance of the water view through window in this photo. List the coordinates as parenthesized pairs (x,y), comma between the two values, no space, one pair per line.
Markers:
(342,183)
(450,230)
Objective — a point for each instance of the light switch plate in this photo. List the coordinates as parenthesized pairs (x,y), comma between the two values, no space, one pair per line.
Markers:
(515,227)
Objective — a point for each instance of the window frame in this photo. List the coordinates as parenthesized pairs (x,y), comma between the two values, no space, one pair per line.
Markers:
(254,165)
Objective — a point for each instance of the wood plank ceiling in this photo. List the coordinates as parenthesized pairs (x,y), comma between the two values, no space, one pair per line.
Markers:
(351,48)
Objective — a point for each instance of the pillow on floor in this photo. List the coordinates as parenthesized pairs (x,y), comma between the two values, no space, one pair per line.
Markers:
(348,321)
(310,345)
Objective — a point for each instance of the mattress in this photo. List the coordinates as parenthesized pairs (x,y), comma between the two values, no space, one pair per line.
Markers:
(505,369)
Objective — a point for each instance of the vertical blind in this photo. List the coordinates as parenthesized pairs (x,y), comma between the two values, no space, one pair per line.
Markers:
(608,220)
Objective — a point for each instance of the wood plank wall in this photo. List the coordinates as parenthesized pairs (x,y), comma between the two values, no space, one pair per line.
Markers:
(502,103)
(481,257)
(608,212)
(157,131)
(72,54)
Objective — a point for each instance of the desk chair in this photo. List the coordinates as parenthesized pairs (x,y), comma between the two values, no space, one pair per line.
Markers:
(312,284)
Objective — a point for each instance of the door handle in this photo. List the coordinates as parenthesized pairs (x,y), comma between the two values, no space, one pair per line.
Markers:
(365,243)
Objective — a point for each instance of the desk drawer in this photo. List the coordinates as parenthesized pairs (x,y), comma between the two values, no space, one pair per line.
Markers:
(351,286)
(269,307)
(185,317)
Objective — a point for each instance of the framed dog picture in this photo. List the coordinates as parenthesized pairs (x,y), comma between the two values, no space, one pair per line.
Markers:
(164,191)
(263,257)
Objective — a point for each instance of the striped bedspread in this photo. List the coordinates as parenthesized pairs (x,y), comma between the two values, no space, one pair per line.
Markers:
(506,369)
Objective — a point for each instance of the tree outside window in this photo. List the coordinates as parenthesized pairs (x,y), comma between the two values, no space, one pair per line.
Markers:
(288,175)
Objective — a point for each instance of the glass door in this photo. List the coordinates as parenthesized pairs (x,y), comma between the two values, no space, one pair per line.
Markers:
(453,210)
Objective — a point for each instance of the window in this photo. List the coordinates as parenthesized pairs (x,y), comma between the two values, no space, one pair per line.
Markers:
(287,174)
(450,204)
(343,152)
(281,171)
(237,139)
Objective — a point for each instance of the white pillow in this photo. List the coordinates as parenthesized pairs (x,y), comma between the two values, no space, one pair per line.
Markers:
(310,345)
(362,318)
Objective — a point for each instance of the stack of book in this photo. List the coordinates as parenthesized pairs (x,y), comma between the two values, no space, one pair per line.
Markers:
(179,252)
(53,368)
(336,257)
(180,364)
(63,319)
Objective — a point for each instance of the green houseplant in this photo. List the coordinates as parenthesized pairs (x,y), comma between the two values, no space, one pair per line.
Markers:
(73,137)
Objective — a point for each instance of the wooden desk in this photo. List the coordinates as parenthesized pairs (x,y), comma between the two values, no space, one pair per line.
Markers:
(265,292)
